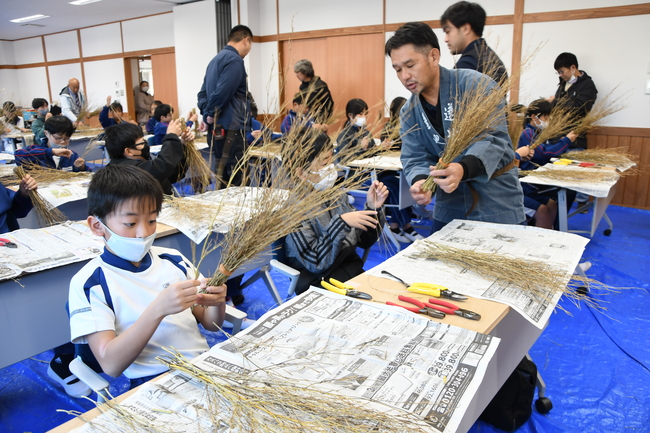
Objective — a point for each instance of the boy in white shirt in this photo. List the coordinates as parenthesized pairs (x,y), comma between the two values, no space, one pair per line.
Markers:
(135,299)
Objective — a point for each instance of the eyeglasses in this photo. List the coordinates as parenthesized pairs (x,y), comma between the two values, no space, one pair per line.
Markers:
(142,143)
(59,138)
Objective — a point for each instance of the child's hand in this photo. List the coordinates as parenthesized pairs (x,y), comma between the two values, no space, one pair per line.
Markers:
(177,297)
(526,153)
(62,152)
(79,162)
(193,116)
(420,196)
(364,142)
(187,135)
(216,294)
(108,100)
(377,194)
(174,127)
(362,219)
(27,184)
(386,144)
(572,136)
(48,115)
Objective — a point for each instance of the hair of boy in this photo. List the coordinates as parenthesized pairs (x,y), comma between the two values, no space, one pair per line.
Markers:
(317,141)
(355,106)
(114,185)
(395,107)
(116,106)
(38,103)
(419,34)
(539,107)
(239,33)
(162,110)
(462,13)
(121,136)
(305,67)
(565,60)
(157,103)
(59,125)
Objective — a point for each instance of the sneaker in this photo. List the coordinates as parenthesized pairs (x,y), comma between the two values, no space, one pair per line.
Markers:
(59,371)
(584,267)
(351,199)
(413,236)
(400,236)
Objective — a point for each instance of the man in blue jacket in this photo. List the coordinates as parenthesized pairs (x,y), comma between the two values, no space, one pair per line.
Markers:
(485,169)
(225,106)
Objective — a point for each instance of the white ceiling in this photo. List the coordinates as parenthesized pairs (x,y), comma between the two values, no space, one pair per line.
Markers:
(64,16)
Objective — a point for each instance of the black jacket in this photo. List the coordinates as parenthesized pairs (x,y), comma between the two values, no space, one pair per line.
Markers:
(480,57)
(321,102)
(581,97)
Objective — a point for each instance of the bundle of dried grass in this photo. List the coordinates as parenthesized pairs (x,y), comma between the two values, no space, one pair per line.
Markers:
(577,175)
(477,113)
(196,167)
(87,112)
(46,175)
(46,214)
(601,109)
(539,280)
(613,157)
(93,144)
(560,121)
(284,200)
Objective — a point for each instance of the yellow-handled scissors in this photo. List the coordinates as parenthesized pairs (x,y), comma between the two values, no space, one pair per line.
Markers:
(429,289)
(344,289)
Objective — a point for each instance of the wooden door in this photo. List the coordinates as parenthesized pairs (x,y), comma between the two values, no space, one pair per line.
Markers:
(163,68)
(352,67)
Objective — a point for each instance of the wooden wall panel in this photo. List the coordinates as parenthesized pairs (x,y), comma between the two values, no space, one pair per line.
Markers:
(633,190)
(163,68)
(291,51)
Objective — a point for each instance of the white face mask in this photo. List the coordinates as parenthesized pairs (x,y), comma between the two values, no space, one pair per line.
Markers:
(573,79)
(131,249)
(360,121)
(328,177)
(542,124)
(145,89)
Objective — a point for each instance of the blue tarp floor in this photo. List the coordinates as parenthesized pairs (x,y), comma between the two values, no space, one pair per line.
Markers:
(596,365)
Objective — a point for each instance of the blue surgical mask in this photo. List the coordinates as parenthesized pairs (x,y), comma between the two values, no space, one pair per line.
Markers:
(43,112)
(131,249)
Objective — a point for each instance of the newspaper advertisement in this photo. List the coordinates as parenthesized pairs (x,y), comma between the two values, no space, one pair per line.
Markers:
(220,211)
(371,353)
(45,248)
(61,192)
(558,249)
(599,189)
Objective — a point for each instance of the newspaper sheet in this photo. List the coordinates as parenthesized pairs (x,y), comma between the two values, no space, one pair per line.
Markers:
(223,208)
(559,249)
(379,162)
(600,189)
(46,248)
(61,192)
(375,354)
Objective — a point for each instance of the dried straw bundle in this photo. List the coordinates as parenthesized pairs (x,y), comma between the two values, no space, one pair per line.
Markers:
(539,280)
(86,112)
(613,157)
(93,144)
(560,121)
(47,214)
(282,203)
(478,112)
(196,167)
(601,109)
(574,175)
(46,175)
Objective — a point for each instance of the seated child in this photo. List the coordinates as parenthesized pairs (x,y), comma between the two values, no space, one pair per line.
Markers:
(53,150)
(325,246)
(151,124)
(260,134)
(112,114)
(298,115)
(135,299)
(126,145)
(400,219)
(163,114)
(355,135)
(544,205)
(14,124)
(15,204)
(43,113)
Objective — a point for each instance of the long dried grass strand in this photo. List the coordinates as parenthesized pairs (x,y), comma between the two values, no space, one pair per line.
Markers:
(46,214)
(577,175)
(196,167)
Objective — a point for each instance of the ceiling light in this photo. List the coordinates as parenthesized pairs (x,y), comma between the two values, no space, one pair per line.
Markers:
(29,18)
(83,2)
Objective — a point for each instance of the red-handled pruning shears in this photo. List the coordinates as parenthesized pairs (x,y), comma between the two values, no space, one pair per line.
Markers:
(7,243)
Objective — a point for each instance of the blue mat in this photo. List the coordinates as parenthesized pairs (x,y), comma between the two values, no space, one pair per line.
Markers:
(595,364)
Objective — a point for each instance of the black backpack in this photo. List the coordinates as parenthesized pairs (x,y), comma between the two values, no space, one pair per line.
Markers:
(513,404)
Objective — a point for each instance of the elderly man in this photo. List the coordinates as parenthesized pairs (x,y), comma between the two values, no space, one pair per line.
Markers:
(72,100)
(316,90)
(485,170)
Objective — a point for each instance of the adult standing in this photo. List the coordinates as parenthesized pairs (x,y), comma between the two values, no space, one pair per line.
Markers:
(72,100)
(143,101)
(321,104)
(575,91)
(486,167)
(463,24)
(225,106)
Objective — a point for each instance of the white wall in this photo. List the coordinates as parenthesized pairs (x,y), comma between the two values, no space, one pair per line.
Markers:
(101,40)
(607,56)
(10,87)
(103,78)
(62,46)
(263,77)
(192,54)
(401,11)
(59,76)
(28,51)
(563,5)
(300,15)
(7,56)
(152,32)
(33,84)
